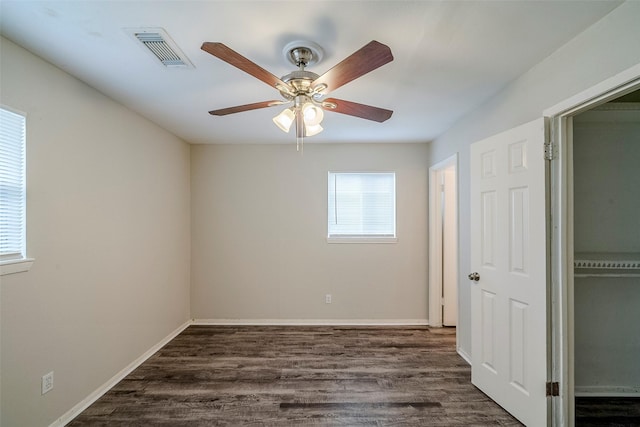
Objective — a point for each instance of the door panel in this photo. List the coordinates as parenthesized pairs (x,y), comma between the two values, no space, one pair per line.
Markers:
(518,362)
(518,229)
(489,225)
(508,250)
(488,340)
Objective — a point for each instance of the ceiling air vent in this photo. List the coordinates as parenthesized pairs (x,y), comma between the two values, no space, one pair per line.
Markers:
(158,42)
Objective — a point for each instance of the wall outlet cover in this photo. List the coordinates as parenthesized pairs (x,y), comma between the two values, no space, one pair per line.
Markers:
(47,382)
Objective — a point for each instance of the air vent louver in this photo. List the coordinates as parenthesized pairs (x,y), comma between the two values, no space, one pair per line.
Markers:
(161,46)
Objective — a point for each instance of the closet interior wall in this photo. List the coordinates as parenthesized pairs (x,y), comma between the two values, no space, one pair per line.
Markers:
(606,161)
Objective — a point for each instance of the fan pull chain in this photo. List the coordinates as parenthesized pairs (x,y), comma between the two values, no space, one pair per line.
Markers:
(299,125)
(300,144)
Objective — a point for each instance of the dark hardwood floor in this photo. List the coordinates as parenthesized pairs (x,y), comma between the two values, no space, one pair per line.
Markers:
(607,411)
(300,376)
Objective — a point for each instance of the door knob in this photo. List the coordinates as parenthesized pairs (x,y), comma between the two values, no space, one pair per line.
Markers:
(474,276)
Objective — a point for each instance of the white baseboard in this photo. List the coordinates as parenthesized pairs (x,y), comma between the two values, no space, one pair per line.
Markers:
(312,322)
(464,355)
(607,391)
(100,391)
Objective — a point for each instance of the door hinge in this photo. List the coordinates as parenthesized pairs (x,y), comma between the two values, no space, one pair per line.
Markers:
(549,151)
(553,389)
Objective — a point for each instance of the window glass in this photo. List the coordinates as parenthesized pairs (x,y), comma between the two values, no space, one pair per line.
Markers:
(362,205)
(12,185)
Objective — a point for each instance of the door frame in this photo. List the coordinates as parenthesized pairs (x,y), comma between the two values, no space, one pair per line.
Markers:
(561,337)
(435,240)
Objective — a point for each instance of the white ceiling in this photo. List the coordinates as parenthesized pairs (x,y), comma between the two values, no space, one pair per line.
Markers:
(450,57)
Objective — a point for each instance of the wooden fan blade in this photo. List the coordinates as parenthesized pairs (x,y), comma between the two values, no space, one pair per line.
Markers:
(246,107)
(359,110)
(232,57)
(368,58)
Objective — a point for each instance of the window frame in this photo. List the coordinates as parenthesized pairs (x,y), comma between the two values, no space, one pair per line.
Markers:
(363,238)
(18,262)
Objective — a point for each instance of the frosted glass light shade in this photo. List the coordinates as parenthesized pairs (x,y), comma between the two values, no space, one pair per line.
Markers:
(284,119)
(311,130)
(312,115)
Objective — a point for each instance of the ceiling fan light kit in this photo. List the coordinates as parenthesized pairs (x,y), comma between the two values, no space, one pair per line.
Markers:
(313,115)
(285,119)
(306,90)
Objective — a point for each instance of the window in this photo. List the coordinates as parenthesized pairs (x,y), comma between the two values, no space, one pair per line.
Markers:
(362,207)
(12,192)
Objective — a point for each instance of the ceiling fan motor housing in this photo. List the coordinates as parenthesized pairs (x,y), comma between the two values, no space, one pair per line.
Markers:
(300,81)
(301,54)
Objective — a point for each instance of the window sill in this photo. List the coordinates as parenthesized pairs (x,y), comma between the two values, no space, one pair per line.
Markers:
(15,266)
(362,239)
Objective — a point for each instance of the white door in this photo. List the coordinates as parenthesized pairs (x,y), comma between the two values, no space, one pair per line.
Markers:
(443,243)
(449,248)
(509,260)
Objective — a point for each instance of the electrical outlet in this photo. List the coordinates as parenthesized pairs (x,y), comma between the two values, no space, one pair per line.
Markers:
(47,382)
(327,299)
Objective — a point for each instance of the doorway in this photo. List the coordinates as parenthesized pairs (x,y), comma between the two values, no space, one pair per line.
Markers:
(606,200)
(443,243)
(568,242)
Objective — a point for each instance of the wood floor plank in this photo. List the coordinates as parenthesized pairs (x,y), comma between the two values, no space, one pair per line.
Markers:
(608,411)
(300,376)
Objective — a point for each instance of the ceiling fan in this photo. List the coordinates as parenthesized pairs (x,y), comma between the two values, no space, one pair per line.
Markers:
(306,91)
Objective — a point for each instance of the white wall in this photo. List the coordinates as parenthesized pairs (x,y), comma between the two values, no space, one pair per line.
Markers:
(607,181)
(259,226)
(606,48)
(607,220)
(108,225)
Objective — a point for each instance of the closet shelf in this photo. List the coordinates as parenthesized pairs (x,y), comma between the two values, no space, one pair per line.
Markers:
(607,264)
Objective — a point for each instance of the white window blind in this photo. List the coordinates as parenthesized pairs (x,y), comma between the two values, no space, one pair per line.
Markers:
(12,185)
(362,205)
